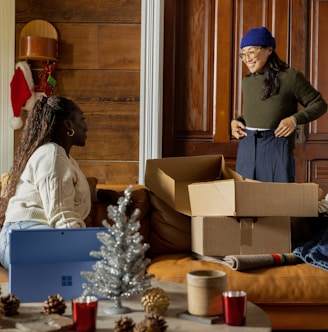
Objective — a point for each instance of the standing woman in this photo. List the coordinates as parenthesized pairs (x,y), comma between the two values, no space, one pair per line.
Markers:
(271,94)
(46,188)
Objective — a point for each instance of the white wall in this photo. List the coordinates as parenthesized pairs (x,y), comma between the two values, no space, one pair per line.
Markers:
(7,66)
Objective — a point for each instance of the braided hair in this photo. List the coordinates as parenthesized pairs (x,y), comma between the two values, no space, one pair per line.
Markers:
(42,124)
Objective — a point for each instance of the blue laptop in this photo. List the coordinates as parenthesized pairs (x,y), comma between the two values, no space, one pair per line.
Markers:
(47,262)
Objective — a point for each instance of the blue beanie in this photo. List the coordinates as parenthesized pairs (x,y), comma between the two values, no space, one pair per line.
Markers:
(258,37)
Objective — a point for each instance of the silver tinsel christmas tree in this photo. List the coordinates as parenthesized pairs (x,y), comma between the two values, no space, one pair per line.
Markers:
(121,269)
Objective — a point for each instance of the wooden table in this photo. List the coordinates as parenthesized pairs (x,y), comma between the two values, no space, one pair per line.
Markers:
(31,318)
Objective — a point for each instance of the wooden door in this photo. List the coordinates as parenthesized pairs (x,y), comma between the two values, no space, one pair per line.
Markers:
(203,74)
(312,147)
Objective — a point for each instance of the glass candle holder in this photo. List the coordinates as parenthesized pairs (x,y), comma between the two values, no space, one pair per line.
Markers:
(234,305)
(84,310)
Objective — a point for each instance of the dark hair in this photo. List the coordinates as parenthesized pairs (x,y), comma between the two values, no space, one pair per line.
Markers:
(42,124)
(272,68)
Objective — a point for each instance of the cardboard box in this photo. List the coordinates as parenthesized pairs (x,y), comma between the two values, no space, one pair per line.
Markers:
(168,178)
(222,236)
(251,198)
(204,186)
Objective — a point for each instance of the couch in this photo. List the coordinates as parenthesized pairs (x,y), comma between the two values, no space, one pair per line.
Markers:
(295,297)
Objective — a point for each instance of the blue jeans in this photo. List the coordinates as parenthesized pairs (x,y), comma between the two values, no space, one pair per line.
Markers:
(4,236)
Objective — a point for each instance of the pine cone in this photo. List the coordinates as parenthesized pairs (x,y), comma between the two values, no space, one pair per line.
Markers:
(151,323)
(54,305)
(11,304)
(125,324)
(155,301)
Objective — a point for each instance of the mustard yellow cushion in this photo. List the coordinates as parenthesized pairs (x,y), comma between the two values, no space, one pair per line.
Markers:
(298,284)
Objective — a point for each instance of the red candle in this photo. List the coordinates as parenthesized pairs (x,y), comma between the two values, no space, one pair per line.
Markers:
(234,304)
(84,313)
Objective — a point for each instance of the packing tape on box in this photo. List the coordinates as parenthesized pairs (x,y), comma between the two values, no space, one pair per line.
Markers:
(246,231)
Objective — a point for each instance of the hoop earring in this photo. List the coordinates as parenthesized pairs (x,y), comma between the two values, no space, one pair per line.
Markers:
(70,133)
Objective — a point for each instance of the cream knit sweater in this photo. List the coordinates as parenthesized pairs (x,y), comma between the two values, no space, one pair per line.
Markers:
(52,190)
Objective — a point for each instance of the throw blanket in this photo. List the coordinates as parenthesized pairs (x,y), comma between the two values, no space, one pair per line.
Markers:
(247,262)
(315,252)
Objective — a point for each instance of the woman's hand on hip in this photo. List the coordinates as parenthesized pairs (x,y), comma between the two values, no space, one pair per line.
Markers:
(286,127)
(237,129)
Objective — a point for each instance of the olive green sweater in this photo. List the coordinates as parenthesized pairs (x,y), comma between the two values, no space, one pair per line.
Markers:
(294,89)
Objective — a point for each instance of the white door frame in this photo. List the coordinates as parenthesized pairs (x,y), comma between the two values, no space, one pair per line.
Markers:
(151,83)
(7,66)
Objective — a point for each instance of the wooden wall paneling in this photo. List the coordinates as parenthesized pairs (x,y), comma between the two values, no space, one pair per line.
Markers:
(194,68)
(99,46)
(99,68)
(113,133)
(299,31)
(99,85)
(115,11)
(318,75)
(190,101)
(113,172)
(319,173)
(223,61)
(299,59)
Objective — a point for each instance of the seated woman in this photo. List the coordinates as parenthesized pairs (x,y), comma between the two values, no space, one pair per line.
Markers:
(46,189)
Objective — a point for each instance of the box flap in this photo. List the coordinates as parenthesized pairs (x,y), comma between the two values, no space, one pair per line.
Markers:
(162,184)
(251,198)
(276,199)
(215,198)
(168,178)
(228,173)
(195,168)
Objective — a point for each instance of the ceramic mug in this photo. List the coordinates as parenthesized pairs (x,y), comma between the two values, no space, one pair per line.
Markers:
(204,292)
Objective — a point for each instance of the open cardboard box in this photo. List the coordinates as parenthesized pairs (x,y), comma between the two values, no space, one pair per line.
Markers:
(168,178)
(222,236)
(204,186)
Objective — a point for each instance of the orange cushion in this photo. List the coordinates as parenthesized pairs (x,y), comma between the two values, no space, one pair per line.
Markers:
(298,284)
